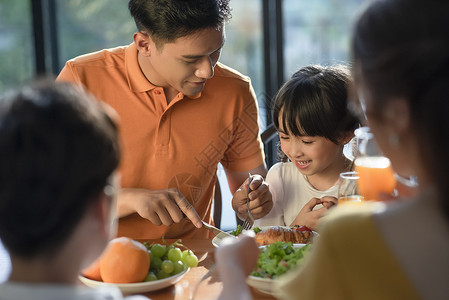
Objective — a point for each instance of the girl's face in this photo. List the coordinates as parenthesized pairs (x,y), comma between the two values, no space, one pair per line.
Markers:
(311,154)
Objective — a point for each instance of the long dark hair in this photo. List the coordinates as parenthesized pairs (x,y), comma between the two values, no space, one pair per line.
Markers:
(401,49)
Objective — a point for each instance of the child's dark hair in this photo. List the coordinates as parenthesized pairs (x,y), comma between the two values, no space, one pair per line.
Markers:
(58,147)
(314,103)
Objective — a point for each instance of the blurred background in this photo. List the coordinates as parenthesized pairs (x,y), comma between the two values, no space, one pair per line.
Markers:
(267,40)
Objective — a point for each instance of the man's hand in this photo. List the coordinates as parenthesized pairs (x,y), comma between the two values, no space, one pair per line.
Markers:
(261,201)
(309,217)
(160,207)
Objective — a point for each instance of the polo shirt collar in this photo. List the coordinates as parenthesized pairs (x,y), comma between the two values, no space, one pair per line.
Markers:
(136,79)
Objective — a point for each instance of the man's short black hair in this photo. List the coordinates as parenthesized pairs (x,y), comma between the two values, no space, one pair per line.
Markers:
(168,20)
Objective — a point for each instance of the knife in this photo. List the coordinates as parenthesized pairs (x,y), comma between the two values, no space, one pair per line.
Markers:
(217,232)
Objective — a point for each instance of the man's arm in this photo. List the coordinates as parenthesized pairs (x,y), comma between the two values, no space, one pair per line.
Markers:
(260,198)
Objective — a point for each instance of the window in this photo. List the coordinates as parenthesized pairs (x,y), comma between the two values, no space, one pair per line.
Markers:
(16,44)
(243,51)
(86,26)
(317,32)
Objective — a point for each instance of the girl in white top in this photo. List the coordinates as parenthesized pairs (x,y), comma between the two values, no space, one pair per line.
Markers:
(311,115)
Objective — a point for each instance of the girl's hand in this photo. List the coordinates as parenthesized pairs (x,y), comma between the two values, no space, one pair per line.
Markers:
(309,217)
(329,201)
(260,197)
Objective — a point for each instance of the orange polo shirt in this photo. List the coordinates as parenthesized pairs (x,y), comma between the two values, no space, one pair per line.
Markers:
(173,145)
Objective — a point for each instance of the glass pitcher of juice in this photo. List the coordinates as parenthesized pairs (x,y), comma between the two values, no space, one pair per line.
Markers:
(374,169)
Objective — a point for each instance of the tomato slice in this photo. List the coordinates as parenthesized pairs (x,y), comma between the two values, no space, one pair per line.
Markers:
(302,228)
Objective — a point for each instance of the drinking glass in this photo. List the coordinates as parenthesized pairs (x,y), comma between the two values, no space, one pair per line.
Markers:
(374,169)
(348,190)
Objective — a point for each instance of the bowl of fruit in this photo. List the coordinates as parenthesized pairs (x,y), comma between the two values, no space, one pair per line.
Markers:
(136,267)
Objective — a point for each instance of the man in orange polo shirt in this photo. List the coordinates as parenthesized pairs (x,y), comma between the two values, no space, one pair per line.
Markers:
(181,113)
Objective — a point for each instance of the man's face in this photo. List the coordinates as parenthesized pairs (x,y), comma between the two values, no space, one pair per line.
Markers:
(185,64)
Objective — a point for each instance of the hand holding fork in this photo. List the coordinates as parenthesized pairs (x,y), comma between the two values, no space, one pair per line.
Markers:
(249,220)
(261,200)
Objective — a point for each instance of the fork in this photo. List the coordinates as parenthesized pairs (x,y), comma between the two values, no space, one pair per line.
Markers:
(249,220)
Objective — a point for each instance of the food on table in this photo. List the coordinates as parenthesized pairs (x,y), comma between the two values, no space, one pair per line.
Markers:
(169,260)
(277,258)
(239,230)
(124,261)
(296,235)
(129,261)
(93,271)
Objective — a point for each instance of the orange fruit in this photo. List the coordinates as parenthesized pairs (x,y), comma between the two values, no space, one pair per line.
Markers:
(124,261)
(93,271)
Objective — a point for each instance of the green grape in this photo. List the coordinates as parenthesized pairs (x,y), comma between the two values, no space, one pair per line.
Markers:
(174,254)
(179,267)
(158,250)
(167,266)
(161,274)
(186,253)
(155,262)
(191,261)
(150,277)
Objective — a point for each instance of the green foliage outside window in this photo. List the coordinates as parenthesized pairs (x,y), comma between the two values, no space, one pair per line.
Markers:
(16,43)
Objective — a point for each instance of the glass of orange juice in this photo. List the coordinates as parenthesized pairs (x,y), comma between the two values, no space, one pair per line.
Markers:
(376,176)
(348,191)
(374,169)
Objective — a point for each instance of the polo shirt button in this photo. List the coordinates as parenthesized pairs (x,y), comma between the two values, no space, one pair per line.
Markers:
(157,92)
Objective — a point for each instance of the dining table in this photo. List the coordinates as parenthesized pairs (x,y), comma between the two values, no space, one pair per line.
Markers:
(209,289)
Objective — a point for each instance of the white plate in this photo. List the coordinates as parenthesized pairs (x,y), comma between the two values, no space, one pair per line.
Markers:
(266,285)
(139,287)
(216,241)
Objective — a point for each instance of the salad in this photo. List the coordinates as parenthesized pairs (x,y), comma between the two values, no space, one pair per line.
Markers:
(277,258)
(239,230)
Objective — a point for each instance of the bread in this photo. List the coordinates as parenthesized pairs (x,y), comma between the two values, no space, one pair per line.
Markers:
(296,235)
